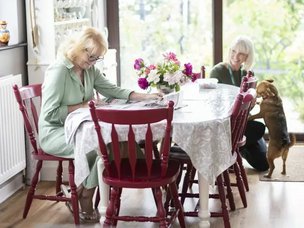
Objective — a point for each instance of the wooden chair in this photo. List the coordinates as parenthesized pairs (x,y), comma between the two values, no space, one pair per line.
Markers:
(249,81)
(238,121)
(135,172)
(28,98)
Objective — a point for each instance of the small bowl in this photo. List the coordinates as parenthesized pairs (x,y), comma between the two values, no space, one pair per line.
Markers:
(207,83)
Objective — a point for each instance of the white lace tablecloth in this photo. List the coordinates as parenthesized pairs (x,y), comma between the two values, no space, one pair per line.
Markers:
(201,126)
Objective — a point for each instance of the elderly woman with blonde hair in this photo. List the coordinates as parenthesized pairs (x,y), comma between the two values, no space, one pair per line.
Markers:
(69,84)
(240,60)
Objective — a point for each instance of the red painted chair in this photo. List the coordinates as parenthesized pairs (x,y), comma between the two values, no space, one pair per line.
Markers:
(249,81)
(135,172)
(238,120)
(28,97)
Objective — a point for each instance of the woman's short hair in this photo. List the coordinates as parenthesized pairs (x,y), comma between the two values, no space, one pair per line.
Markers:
(244,45)
(88,39)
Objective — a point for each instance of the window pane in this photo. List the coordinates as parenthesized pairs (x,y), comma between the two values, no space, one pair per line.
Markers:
(277,29)
(148,28)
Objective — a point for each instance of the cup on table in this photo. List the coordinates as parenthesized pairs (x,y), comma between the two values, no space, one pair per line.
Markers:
(207,83)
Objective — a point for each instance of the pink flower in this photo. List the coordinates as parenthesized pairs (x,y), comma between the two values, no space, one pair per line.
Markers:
(169,73)
(152,67)
(170,56)
(195,76)
(139,63)
(143,83)
(188,69)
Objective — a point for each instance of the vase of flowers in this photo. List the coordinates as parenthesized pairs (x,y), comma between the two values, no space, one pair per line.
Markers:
(166,76)
(165,89)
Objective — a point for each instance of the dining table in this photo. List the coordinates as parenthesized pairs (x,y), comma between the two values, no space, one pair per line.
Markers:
(201,127)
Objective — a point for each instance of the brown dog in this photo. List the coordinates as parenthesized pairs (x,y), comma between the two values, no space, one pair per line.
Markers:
(271,110)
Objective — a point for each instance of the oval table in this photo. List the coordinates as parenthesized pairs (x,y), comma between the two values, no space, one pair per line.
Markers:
(201,127)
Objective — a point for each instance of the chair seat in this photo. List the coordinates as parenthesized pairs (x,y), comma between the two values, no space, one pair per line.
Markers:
(41,155)
(179,154)
(140,179)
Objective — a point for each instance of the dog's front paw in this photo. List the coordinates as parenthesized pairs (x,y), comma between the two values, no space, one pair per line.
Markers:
(283,173)
(267,176)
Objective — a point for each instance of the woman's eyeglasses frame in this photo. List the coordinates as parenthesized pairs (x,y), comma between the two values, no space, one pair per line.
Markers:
(92,58)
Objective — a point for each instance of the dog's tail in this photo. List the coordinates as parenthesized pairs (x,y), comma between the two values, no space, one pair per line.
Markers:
(292,139)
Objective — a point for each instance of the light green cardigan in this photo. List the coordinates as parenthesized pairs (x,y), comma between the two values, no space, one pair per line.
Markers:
(62,87)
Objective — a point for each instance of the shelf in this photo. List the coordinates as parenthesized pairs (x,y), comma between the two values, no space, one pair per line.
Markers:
(71,22)
(2,48)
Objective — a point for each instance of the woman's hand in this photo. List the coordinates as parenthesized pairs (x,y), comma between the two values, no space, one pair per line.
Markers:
(154,96)
(145,96)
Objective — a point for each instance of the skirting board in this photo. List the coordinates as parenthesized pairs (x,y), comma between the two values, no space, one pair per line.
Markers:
(49,171)
(11,186)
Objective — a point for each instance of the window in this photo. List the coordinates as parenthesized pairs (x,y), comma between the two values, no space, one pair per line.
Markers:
(278,47)
(147,28)
(150,28)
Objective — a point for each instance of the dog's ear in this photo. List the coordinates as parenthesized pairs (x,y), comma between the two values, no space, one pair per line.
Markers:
(269,80)
(272,90)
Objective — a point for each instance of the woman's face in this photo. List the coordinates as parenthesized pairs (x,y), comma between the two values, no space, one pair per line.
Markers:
(87,59)
(237,58)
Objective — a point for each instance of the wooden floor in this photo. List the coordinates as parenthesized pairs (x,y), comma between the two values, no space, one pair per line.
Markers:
(270,204)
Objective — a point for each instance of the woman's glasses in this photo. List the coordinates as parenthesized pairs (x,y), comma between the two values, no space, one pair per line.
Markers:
(92,58)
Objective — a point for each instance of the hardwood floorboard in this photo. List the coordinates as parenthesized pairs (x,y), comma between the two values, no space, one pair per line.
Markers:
(270,204)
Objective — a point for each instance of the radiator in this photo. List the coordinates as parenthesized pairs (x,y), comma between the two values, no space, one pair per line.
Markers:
(12,139)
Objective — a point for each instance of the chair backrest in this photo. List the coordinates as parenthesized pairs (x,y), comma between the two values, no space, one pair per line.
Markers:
(203,71)
(248,81)
(133,118)
(239,115)
(28,98)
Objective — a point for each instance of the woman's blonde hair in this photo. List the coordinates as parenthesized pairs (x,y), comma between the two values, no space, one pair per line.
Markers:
(88,39)
(244,45)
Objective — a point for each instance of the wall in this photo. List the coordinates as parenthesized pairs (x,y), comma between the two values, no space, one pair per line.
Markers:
(13,60)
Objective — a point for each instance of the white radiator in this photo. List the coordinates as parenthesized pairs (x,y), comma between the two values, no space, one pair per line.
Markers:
(12,142)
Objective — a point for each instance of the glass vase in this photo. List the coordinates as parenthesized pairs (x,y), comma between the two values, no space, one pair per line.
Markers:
(164,89)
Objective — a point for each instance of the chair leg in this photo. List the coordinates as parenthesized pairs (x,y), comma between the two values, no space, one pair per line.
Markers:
(193,172)
(117,205)
(59,177)
(74,195)
(243,171)
(178,205)
(161,213)
(222,195)
(240,184)
(229,190)
(111,207)
(186,183)
(168,200)
(31,192)
(178,179)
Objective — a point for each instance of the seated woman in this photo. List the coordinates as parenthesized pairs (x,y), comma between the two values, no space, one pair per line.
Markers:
(68,85)
(240,60)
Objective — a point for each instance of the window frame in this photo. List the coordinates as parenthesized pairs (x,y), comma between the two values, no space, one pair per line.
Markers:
(112,16)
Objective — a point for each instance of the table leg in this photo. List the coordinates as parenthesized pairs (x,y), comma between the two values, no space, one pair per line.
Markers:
(203,213)
(103,191)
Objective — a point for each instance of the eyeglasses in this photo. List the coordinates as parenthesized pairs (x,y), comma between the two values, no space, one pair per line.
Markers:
(92,58)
